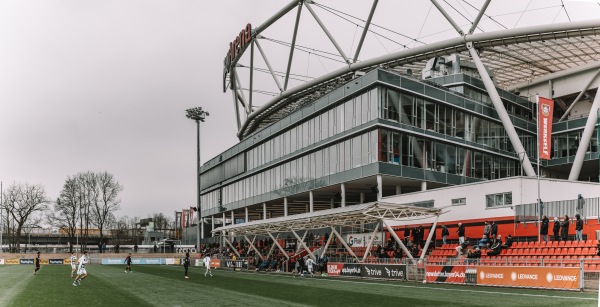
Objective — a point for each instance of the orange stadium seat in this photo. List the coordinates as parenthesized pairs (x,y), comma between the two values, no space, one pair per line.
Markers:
(561,244)
(569,243)
(554,244)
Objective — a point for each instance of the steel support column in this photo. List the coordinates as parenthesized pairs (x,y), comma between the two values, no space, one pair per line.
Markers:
(326,245)
(478,18)
(365,30)
(586,136)
(292,47)
(304,245)
(348,248)
(502,114)
(441,9)
(431,232)
(246,213)
(343,192)
(279,246)
(262,53)
(311,201)
(585,88)
(393,234)
(368,249)
(285,206)
(264,211)
(231,245)
(379,187)
(254,248)
(339,49)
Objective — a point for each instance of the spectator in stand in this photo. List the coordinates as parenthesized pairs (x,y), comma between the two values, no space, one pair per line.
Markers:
(473,255)
(578,228)
(494,231)
(484,242)
(544,228)
(598,249)
(486,230)
(496,247)
(564,228)
(462,247)
(406,232)
(509,242)
(445,233)
(556,229)
(461,233)
(415,235)
(414,251)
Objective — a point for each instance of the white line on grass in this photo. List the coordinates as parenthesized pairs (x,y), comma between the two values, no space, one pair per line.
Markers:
(442,289)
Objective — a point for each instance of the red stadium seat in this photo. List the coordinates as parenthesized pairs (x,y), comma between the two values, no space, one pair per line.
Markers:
(561,244)
(545,251)
(578,251)
(569,243)
(571,250)
(554,244)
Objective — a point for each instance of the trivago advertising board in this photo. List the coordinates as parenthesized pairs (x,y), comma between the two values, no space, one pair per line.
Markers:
(532,277)
(446,273)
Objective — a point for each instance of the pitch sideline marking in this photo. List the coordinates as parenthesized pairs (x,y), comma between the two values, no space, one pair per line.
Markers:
(444,289)
(16,288)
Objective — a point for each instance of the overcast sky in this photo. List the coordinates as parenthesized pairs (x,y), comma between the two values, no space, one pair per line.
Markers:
(103,85)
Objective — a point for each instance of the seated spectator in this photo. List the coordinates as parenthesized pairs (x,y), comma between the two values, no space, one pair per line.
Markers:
(509,242)
(598,249)
(462,247)
(483,243)
(474,253)
(496,247)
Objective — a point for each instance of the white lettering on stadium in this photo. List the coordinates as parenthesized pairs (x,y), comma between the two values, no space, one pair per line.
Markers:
(494,275)
(565,277)
(528,276)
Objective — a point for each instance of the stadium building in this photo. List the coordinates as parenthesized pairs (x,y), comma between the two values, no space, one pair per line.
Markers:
(449,125)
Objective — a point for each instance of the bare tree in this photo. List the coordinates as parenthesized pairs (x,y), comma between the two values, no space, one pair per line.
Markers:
(66,210)
(107,200)
(21,202)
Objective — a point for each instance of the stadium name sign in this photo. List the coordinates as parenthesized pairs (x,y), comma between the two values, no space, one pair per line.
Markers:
(236,47)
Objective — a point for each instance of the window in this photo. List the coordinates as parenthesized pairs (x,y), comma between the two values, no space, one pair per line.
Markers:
(422,204)
(498,200)
(459,201)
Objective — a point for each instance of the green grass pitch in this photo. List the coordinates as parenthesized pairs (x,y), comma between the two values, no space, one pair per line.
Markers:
(165,286)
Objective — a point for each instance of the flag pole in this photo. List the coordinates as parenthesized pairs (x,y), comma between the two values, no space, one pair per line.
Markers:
(539,206)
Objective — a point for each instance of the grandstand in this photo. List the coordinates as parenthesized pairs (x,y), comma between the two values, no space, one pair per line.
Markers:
(439,134)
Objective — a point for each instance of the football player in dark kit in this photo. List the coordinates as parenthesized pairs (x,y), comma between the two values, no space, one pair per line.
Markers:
(128,262)
(37,263)
(186,264)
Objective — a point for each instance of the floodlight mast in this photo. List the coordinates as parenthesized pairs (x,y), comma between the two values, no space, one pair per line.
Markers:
(198,115)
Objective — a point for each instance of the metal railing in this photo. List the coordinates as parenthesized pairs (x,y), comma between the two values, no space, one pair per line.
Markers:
(529,212)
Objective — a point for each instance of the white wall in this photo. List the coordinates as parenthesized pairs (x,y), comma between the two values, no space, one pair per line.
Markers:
(524,191)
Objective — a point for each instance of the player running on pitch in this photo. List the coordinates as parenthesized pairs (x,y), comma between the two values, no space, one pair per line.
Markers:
(207,265)
(37,264)
(81,272)
(73,264)
(128,262)
(309,266)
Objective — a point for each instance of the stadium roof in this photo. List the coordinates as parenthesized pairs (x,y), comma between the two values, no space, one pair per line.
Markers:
(515,55)
(343,216)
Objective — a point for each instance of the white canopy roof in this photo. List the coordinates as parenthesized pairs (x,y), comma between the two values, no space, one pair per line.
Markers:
(343,216)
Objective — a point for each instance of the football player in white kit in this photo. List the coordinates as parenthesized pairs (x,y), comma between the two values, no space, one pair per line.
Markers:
(207,265)
(309,266)
(81,272)
(73,264)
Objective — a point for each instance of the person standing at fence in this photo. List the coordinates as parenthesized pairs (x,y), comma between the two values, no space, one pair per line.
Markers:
(487,229)
(564,228)
(207,265)
(37,264)
(494,231)
(186,264)
(445,233)
(544,228)
(461,233)
(81,272)
(73,264)
(556,229)
(128,263)
(578,228)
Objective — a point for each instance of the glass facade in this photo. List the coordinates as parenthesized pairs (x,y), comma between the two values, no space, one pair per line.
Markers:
(347,115)
(566,144)
(351,153)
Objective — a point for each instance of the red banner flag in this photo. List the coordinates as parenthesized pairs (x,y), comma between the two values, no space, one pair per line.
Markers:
(545,111)
(186,215)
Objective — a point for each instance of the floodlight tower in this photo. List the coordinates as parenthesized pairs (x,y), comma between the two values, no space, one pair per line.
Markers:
(198,115)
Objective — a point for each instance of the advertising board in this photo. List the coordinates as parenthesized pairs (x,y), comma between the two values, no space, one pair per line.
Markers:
(446,273)
(532,277)
(386,271)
